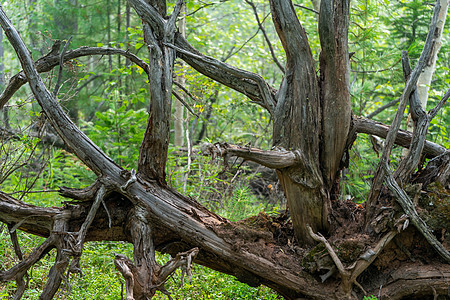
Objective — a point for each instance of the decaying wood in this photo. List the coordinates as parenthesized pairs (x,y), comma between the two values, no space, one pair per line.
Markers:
(274,159)
(403,138)
(409,209)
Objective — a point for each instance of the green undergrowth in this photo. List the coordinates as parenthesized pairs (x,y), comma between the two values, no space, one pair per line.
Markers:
(100,280)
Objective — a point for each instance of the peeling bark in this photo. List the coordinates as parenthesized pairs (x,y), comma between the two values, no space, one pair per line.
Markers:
(334,85)
(296,119)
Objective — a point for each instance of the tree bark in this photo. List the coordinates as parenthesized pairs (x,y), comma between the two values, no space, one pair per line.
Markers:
(296,119)
(179,108)
(334,85)
(154,147)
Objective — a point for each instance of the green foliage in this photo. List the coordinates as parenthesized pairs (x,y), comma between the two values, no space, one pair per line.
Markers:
(108,97)
(100,280)
(371,297)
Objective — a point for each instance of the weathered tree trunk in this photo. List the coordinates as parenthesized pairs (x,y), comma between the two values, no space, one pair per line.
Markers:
(153,152)
(304,104)
(178,118)
(334,86)
(296,119)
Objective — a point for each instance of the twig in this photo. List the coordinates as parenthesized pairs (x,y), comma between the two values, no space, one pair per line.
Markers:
(107,212)
(179,98)
(261,27)
(34,192)
(382,108)
(307,8)
(179,85)
(433,112)
(61,64)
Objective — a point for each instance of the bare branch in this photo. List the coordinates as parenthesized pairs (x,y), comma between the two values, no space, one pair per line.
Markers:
(320,238)
(433,112)
(403,138)
(274,159)
(408,206)
(170,27)
(90,217)
(269,43)
(25,264)
(267,100)
(307,8)
(382,108)
(61,64)
(182,259)
(185,90)
(179,98)
(226,76)
(51,60)
(409,88)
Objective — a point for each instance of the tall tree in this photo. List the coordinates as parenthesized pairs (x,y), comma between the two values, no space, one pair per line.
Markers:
(312,129)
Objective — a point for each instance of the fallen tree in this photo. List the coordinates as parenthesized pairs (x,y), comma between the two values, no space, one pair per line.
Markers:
(330,249)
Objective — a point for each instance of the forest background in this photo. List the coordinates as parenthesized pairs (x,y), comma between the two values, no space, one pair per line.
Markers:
(107,97)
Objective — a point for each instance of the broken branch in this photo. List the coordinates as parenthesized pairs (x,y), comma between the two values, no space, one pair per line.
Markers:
(408,207)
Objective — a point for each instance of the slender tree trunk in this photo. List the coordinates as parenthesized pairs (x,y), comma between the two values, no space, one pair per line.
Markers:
(179,108)
(424,81)
(2,82)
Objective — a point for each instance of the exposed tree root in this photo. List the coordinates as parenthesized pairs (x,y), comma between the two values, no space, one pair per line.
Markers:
(409,209)
(350,274)
(145,276)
